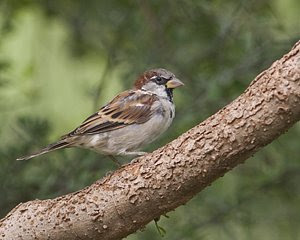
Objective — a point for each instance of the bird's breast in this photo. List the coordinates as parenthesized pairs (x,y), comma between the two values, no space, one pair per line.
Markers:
(134,136)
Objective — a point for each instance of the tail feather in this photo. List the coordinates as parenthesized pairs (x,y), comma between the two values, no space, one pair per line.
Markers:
(49,148)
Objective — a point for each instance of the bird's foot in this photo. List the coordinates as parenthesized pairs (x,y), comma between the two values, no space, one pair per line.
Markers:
(115,160)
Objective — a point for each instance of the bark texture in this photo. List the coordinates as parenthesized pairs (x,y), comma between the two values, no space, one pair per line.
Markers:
(135,194)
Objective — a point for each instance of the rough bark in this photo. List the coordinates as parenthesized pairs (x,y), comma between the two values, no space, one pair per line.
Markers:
(135,194)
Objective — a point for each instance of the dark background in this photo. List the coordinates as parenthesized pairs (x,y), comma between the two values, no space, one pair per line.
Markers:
(62,60)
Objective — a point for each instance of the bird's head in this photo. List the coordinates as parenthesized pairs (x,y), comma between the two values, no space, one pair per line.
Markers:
(158,81)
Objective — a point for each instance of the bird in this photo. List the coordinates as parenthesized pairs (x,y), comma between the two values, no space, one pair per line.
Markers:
(131,120)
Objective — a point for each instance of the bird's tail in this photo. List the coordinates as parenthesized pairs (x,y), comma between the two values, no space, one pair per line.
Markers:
(49,148)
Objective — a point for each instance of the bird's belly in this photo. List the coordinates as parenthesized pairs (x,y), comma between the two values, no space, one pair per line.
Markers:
(135,136)
(126,139)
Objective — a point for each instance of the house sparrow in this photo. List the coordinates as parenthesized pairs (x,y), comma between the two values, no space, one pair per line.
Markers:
(131,120)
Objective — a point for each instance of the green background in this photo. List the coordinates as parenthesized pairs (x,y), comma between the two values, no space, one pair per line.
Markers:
(62,60)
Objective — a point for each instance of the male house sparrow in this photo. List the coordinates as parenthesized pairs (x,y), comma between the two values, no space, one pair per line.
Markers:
(131,120)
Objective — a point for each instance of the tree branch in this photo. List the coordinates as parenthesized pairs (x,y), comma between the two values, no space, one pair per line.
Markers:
(150,186)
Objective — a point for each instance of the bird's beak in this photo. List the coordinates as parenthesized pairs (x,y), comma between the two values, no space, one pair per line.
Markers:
(174,83)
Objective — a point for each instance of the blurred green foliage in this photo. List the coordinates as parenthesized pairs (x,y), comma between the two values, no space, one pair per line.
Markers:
(61,60)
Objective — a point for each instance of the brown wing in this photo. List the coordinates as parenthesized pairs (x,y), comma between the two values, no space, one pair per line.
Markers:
(127,108)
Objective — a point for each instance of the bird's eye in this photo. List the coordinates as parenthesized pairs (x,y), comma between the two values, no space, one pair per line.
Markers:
(158,79)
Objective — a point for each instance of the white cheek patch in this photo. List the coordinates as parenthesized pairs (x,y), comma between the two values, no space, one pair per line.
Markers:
(149,86)
(159,90)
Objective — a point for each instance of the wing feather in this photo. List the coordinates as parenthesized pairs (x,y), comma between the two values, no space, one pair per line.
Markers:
(127,108)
